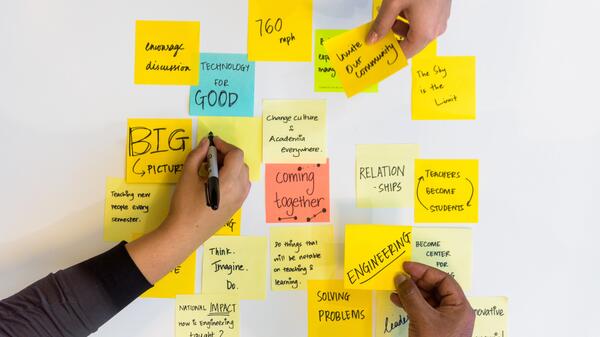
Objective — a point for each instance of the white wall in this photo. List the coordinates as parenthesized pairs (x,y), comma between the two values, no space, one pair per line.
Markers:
(66,90)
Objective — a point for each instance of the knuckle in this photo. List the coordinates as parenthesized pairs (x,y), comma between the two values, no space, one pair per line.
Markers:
(426,35)
(238,152)
(408,289)
(442,29)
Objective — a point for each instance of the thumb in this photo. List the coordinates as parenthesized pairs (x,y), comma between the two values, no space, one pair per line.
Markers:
(390,9)
(412,301)
(196,157)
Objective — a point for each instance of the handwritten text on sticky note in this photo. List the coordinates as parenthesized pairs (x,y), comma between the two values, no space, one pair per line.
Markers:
(243,132)
(235,265)
(279,30)
(297,192)
(326,79)
(233,225)
(130,208)
(446,190)
(156,149)
(166,52)
(390,320)
(447,249)
(226,86)
(491,316)
(384,175)
(335,311)
(294,131)
(443,87)
(359,65)
(207,316)
(299,254)
(374,255)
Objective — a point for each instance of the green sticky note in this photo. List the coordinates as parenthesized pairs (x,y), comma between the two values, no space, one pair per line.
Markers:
(326,79)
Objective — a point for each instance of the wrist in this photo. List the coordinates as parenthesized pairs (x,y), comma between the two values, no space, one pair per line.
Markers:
(187,228)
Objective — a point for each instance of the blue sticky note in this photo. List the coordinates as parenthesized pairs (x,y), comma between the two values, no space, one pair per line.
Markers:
(226,86)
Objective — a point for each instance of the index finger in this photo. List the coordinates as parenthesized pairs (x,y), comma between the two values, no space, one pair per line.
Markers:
(223,146)
(385,19)
(434,280)
(232,157)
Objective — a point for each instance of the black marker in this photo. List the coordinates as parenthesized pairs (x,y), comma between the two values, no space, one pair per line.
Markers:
(211,187)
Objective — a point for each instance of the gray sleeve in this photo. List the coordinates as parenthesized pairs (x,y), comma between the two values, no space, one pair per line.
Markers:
(75,301)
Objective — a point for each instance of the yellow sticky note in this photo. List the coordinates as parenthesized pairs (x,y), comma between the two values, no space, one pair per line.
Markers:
(243,132)
(299,254)
(166,52)
(335,311)
(295,131)
(443,87)
(390,320)
(374,254)
(207,316)
(359,65)
(130,209)
(491,316)
(384,175)
(447,249)
(156,149)
(179,281)
(232,226)
(235,265)
(279,30)
(325,76)
(446,190)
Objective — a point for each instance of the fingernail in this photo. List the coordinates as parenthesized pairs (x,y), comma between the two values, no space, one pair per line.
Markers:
(400,278)
(372,37)
(203,141)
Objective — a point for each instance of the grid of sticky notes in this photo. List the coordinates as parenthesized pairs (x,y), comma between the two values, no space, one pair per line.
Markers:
(289,137)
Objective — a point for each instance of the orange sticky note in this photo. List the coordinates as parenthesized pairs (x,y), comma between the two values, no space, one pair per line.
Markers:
(359,65)
(297,192)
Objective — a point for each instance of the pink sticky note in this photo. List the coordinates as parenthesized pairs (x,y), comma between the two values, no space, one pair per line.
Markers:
(297,192)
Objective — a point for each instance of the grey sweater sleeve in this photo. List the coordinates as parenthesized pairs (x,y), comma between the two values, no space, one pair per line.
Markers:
(75,301)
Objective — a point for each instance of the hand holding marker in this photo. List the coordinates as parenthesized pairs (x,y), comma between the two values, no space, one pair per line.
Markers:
(212,185)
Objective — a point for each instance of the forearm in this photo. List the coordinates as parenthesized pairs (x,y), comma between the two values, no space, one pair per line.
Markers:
(160,251)
(75,301)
